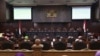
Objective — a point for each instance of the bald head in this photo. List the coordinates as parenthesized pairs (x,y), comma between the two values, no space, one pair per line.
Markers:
(37,41)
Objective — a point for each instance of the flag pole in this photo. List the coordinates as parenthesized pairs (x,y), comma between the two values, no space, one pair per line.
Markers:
(19,27)
(84,26)
(85,33)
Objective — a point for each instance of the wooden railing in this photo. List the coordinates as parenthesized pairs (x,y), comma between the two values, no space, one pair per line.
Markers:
(39,52)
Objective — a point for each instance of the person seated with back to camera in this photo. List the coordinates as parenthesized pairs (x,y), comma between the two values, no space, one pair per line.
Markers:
(37,43)
(79,44)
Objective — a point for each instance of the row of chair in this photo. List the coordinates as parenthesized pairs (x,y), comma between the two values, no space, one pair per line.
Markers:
(47,46)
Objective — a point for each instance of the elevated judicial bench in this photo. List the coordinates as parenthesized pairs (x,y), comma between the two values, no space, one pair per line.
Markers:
(49,52)
(52,34)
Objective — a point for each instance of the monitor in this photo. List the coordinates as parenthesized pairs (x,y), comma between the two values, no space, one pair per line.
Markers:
(81,12)
(22,13)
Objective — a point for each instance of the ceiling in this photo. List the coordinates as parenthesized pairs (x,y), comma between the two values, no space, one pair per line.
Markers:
(49,2)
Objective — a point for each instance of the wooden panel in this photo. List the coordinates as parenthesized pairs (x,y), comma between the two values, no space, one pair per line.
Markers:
(52,14)
(99,9)
(69,53)
(13,53)
(2,11)
(51,53)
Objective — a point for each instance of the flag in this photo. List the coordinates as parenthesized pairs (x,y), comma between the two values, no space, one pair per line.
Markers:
(84,26)
(19,26)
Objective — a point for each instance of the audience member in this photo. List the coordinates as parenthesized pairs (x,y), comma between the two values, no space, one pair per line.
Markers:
(79,44)
(60,45)
(37,43)
(46,44)
(7,45)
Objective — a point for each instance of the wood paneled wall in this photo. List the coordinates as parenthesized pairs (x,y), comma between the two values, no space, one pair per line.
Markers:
(92,26)
(2,11)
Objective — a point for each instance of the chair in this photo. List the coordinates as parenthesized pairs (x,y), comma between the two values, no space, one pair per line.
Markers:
(79,45)
(95,45)
(46,46)
(25,45)
(60,46)
(7,45)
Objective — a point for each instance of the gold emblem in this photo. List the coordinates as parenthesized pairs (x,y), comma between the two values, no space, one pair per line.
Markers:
(51,13)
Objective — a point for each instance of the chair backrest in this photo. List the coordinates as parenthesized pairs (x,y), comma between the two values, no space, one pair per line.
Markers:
(7,45)
(60,46)
(79,45)
(94,45)
(25,45)
(46,46)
